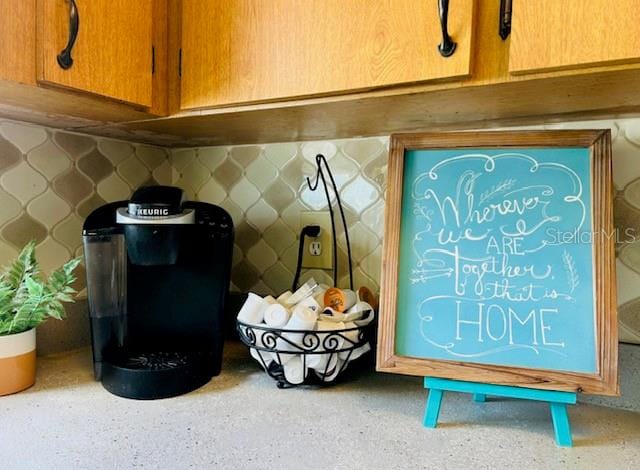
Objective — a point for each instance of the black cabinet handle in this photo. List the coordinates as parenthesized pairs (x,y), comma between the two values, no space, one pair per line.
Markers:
(447,47)
(65,60)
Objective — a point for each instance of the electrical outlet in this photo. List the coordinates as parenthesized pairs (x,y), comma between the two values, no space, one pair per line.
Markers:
(317,252)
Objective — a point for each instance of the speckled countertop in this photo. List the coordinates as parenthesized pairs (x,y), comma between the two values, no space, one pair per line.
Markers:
(241,420)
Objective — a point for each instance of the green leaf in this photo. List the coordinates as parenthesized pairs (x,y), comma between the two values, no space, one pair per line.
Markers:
(26,300)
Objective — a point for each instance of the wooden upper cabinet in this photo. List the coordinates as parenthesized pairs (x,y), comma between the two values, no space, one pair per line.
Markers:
(242,51)
(112,54)
(551,35)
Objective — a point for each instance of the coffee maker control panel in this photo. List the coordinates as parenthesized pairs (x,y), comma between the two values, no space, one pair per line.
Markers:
(216,219)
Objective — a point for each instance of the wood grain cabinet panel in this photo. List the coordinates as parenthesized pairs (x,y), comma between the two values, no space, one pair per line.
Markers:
(18,41)
(112,55)
(243,51)
(551,35)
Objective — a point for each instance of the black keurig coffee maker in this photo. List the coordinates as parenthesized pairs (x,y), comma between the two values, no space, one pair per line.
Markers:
(157,278)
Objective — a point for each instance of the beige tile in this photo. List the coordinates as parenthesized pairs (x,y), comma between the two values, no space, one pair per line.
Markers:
(212,157)
(195,174)
(316,200)
(291,215)
(212,192)
(163,173)
(115,150)
(278,278)
(22,230)
(228,174)
(626,162)
(23,182)
(376,171)
(280,154)
(23,136)
(373,218)
(49,159)
(292,174)
(133,172)
(189,192)
(261,215)
(363,241)
(311,149)
(74,145)
(359,194)
(244,194)
(632,131)
(151,156)
(343,170)
(261,256)
(234,211)
(48,208)
(289,256)
(244,276)
(363,150)
(9,207)
(113,188)
(279,236)
(279,195)
(371,265)
(245,155)
(238,255)
(261,173)
(95,165)
(88,205)
(51,255)
(10,155)
(69,232)
(7,253)
(181,158)
(246,235)
(73,186)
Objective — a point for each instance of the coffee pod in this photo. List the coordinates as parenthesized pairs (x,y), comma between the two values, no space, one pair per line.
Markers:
(305,290)
(339,299)
(276,316)
(282,298)
(356,353)
(365,295)
(318,294)
(294,370)
(309,302)
(270,300)
(252,311)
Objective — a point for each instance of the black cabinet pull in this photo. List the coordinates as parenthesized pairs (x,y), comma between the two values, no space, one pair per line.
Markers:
(447,47)
(65,61)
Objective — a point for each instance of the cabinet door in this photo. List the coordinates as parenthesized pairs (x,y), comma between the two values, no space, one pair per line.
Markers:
(18,41)
(562,34)
(112,53)
(239,51)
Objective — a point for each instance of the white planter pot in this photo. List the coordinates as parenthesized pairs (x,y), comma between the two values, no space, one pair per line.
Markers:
(17,361)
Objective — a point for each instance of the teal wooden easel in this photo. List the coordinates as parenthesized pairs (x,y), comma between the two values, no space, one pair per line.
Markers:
(558,401)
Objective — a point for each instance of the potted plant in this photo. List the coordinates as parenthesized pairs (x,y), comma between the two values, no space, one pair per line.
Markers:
(26,300)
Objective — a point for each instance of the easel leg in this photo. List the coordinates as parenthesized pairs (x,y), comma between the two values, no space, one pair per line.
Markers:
(479,397)
(434,400)
(561,425)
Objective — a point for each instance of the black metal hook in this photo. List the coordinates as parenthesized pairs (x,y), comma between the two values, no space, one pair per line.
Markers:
(320,160)
(65,61)
(447,47)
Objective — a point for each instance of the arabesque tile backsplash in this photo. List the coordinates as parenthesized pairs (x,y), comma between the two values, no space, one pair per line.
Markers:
(50,180)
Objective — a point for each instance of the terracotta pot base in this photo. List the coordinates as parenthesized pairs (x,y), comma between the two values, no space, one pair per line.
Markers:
(17,362)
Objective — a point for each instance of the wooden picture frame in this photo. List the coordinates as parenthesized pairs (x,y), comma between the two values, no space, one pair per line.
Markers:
(605,379)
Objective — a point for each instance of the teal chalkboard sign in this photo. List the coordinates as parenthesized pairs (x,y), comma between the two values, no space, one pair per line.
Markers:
(503,258)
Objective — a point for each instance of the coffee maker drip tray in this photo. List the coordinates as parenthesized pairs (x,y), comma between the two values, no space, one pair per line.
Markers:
(155,374)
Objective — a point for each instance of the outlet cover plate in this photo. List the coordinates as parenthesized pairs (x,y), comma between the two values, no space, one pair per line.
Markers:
(325,259)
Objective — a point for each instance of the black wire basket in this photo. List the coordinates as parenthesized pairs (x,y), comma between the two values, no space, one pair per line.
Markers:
(330,351)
